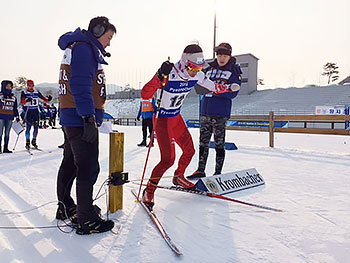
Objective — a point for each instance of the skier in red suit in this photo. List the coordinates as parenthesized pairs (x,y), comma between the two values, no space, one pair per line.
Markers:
(170,128)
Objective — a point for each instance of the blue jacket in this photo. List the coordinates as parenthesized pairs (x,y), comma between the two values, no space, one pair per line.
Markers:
(8,103)
(148,114)
(220,104)
(84,65)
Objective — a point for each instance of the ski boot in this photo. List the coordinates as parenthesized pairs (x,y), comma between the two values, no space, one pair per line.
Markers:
(197,174)
(34,144)
(148,195)
(143,143)
(182,181)
(27,144)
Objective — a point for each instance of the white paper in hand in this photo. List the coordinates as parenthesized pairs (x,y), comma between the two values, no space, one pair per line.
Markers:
(106,127)
(17,127)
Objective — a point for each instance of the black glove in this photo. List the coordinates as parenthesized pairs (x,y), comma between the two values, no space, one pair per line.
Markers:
(164,70)
(17,119)
(90,129)
(49,98)
(138,118)
(29,99)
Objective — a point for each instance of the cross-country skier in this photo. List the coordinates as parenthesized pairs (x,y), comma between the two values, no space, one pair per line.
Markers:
(170,128)
(30,101)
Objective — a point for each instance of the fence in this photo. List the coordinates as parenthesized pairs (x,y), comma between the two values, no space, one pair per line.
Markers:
(271,119)
(126,121)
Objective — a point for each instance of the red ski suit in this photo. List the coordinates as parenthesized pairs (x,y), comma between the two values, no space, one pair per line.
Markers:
(169,126)
(169,130)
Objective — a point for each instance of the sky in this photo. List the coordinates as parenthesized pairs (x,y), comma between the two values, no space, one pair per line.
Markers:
(292,39)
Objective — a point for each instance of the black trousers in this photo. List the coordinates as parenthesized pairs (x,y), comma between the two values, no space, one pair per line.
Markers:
(147,123)
(80,162)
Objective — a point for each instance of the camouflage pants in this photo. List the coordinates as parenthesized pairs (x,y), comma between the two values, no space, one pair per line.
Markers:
(210,125)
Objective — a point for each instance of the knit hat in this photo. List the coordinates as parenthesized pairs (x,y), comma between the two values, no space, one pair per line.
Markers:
(193,57)
(224,49)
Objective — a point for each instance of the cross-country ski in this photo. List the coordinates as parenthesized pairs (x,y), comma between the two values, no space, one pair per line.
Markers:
(159,226)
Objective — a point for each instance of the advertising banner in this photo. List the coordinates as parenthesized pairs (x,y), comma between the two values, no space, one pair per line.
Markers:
(231,182)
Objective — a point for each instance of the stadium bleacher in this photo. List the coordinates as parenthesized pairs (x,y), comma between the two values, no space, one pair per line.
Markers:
(288,101)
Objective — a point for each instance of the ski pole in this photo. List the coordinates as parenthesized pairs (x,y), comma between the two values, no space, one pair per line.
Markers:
(14,147)
(153,132)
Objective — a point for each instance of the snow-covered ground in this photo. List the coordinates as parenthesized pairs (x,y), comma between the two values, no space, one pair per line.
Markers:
(306,175)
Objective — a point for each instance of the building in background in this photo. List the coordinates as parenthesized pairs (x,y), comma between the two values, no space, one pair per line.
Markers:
(249,67)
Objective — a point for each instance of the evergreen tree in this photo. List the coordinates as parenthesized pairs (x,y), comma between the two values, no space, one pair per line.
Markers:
(331,71)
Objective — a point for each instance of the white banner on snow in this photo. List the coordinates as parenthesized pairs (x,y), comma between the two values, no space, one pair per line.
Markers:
(231,182)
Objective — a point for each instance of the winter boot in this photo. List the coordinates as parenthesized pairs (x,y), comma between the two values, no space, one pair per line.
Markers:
(34,143)
(70,213)
(182,181)
(143,143)
(197,174)
(148,195)
(96,226)
(27,144)
(6,150)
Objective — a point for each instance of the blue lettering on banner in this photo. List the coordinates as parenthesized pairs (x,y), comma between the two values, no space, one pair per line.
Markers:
(192,123)
(262,124)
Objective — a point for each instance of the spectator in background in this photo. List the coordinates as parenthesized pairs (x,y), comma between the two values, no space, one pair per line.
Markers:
(146,112)
(8,110)
(216,108)
(53,115)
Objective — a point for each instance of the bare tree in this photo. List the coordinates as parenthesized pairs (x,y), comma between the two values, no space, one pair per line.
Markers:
(331,71)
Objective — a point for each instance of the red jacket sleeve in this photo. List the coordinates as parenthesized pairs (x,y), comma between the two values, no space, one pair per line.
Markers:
(43,98)
(23,99)
(151,87)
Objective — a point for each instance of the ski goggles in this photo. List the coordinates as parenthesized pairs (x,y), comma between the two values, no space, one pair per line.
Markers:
(194,67)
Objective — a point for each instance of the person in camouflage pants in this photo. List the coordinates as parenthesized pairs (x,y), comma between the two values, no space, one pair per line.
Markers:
(216,108)
(212,125)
